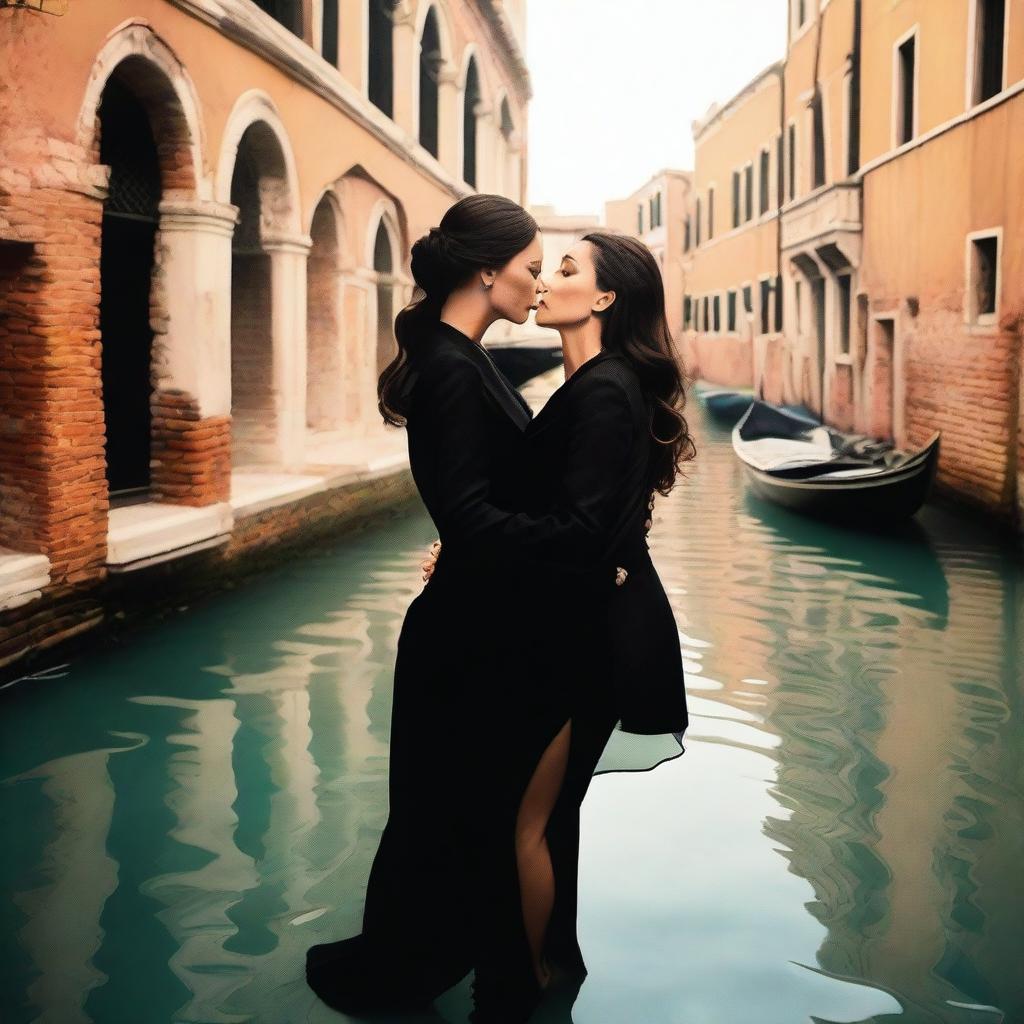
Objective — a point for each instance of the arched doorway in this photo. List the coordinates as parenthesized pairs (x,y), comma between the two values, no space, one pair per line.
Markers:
(129,227)
(383,265)
(431,61)
(471,100)
(259,189)
(324,368)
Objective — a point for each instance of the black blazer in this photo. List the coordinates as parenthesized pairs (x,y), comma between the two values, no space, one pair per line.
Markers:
(589,447)
(476,457)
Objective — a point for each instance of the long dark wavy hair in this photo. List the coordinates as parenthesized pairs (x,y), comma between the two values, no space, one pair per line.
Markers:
(635,326)
(476,232)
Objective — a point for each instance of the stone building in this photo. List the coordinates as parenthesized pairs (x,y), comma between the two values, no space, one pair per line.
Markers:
(656,214)
(206,209)
(887,146)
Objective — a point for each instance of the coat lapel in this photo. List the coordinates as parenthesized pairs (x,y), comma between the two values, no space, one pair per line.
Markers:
(497,385)
(553,410)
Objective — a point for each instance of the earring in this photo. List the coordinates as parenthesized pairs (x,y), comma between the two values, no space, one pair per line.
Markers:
(486,286)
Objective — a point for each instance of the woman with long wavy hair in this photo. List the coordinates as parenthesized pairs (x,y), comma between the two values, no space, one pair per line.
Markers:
(499,654)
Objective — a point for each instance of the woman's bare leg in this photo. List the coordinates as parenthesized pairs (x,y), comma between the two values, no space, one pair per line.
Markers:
(536,876)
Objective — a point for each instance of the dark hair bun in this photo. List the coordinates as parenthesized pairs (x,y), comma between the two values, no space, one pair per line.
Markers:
(432,264)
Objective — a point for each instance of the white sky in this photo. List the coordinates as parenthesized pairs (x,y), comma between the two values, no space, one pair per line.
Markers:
(617,82)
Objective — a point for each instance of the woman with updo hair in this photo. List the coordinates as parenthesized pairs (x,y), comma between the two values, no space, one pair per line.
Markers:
(503,696)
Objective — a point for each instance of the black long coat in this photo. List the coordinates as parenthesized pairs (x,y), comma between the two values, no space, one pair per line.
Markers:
(485,674)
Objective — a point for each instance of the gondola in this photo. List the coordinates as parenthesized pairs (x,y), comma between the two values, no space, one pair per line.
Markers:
(822,472)
(726,405)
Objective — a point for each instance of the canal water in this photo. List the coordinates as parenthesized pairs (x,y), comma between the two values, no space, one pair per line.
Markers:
(842,840)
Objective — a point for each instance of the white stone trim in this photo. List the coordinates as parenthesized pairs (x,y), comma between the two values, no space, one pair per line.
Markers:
(971,318)
(244,24)
(23,575)
(152,531)
(895,96)
(970,78)
(252,106)
(135,37)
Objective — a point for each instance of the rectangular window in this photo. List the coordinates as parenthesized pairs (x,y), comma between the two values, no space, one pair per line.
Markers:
(639,218)
(696,223)
(763,171)
(705,316)
(843,297)
(748,299)
(748,192)
(801,12)
(906,58)
(989,28)
(730,311)
(686,235)
(687,311)
(852,127)
(984,274)
(818,138)
(716,315)
(735,199)
(791,141)
(766,293)
(777,295)
(711,213)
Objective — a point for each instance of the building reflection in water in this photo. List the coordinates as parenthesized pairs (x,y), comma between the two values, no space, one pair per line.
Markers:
(841,839)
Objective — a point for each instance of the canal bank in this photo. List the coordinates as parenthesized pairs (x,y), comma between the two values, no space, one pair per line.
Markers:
(163,557)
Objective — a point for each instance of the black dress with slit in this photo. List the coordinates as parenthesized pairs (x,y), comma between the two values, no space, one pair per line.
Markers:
(496,653)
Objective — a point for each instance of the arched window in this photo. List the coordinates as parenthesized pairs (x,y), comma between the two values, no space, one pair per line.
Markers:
(430,67)
(381,35)
(387,347)
(470,101)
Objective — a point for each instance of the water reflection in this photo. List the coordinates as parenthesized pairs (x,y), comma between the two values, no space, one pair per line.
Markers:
(841,841)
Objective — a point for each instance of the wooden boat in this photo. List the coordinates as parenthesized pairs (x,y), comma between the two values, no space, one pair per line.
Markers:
(727,405)
(820,471)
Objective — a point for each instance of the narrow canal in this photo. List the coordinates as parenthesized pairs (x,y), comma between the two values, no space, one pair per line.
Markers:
(841,841)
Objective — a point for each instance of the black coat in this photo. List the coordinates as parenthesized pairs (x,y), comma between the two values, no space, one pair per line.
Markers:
(587,452)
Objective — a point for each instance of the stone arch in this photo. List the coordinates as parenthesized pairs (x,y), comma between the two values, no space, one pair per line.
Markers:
(154,73)
(471,102)
(384,252)
(140,119)
(256,175)
(324,334)
(254,108)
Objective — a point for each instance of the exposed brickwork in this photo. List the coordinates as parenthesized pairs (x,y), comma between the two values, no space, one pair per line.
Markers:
(965,385)
(191,456)
(53,492)
(76,619)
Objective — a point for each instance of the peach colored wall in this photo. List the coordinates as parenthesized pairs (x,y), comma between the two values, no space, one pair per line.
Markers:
(833,27)
(48,63)
(941,58)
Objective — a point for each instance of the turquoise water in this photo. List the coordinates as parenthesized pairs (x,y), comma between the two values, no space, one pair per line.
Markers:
(842,840)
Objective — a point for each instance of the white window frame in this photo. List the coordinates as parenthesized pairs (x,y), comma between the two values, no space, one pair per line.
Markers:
(974,56)
(792,154)
(896,104)
(971,317)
